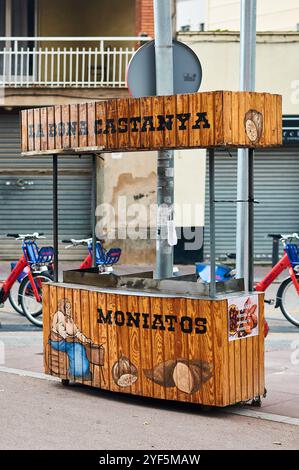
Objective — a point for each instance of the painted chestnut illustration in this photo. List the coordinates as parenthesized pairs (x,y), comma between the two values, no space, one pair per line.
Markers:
(124,373)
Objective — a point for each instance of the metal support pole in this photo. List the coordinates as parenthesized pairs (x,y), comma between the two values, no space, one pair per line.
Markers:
(247,83)
(250,219)
(165,166)
(212,221)
(55,216)
(93,207)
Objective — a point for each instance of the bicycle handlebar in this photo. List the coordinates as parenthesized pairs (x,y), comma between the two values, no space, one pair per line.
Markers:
(27,236)
(83,241)
(290,236)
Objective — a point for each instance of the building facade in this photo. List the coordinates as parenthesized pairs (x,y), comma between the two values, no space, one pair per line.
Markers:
(277,170)
(57,52)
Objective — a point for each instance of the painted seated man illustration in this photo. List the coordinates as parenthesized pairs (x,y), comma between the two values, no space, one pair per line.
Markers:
(66,337)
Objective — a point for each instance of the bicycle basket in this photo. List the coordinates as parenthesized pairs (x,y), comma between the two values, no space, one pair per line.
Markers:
(30,251)
(107,258)
(293,253)
(45,254)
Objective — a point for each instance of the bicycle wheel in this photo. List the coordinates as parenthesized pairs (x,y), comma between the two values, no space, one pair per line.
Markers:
(13,298)
(289,301)
(31,307)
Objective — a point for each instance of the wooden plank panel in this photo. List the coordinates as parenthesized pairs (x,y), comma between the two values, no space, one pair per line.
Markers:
(236,122)
(181,345)
(113,346)
(91,116)
(232,372)
(30,121)
(101,138)
(44,128)
(260,99)
(225,354)
(147,127)
(169,341)
(74,120)
(228,117)
(94,336)
(53,364)
(243,356)
(134,342)
(279,118)
(196,135)
(62,356)
(123,337)
(83,127)
(170,134)
(195,351)
(249,367)
(51,127)
(58,127)
(210,117)
(261,345)
(242,110)
(65,116)
(157,345)
(104,340)
(162,121)
(37,124)
(183,125)
(273,129)
(134,126)
(123,123)
(207,354)
(218,118)
(76,315)
(146,350)
(267,119)
(24,131)
(85,327)
(46,325)
(219,311)
(238,370)
(111,125)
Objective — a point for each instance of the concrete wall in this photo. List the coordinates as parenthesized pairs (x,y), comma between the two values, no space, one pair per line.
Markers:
(272,15)
(276,68)
(133,176)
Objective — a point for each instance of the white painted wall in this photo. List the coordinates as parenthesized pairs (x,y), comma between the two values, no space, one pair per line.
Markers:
(277,69)
(272,15)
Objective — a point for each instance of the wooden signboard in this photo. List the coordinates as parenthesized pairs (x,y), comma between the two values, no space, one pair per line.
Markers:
(199,120)
(201,351)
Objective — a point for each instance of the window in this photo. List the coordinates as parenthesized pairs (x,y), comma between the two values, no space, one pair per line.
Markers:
(17,17)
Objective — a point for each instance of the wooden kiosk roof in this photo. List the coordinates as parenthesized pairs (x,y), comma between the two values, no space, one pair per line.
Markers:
(198,120)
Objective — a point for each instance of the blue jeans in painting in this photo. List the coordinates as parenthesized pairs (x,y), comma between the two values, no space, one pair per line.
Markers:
(78,362)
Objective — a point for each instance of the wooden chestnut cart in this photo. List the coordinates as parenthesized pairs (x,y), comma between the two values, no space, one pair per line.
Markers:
(175,339)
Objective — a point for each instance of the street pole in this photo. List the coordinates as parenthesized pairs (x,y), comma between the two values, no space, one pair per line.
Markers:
(247,83)
(165,163)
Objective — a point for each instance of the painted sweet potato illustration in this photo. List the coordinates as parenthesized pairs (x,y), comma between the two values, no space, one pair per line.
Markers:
(187,376)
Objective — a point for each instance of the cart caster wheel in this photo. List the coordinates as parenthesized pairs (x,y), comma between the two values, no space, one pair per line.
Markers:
(65,382)
(256,401)
(265,393)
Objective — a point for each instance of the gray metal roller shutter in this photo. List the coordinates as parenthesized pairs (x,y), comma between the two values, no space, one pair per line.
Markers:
(276,188)
(26,193)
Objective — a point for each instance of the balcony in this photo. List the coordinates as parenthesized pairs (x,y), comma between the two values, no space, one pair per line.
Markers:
(65,62)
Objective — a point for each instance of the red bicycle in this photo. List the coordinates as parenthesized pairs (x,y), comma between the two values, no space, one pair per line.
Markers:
(25,280)
(288,292)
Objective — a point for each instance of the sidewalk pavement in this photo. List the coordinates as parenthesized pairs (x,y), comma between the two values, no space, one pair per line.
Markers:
(23,351)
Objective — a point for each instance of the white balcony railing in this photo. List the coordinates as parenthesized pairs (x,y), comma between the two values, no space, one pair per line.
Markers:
(65,61)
